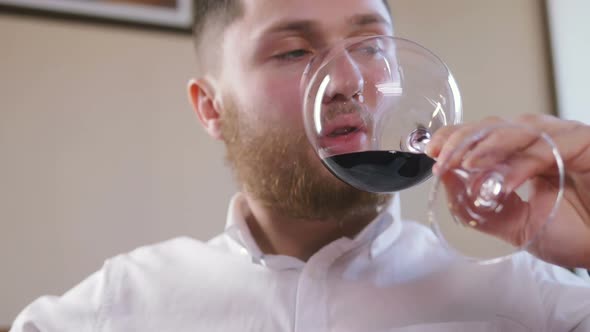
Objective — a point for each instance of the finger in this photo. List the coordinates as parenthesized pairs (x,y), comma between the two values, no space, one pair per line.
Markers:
(537,160)
(438,139)
(571,137)
(540,159)
(442,134)
(573,144)
(499,145)
(462,140)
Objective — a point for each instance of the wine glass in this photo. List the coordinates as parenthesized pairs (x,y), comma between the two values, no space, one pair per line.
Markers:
(370,107)
(468,203)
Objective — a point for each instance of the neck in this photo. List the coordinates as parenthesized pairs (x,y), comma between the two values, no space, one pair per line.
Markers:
(277,234)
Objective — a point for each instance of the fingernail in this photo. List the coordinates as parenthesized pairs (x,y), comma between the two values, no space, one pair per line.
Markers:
(435,169)
(431,151)
(467,164)
(478,161)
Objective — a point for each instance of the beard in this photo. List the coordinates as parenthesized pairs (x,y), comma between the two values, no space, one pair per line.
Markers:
(276,166)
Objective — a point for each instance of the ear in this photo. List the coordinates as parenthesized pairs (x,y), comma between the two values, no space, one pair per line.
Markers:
(202,97)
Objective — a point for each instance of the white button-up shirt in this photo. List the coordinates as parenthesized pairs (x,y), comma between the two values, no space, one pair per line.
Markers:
(393,276)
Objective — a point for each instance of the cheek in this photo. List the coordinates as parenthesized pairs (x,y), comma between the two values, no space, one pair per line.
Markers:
(281,97)
(270,96)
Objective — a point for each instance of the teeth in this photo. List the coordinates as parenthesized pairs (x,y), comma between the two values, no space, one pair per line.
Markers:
(343,131)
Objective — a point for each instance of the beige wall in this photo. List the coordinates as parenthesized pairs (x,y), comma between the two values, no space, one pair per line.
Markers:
(100,153)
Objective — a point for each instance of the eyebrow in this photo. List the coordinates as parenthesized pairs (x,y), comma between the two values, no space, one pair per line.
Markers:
(367,19)
(309,26)
(303,26)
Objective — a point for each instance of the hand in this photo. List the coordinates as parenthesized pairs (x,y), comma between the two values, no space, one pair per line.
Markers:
(566,241)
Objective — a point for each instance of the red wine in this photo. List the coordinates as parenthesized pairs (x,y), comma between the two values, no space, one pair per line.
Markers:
(381,171)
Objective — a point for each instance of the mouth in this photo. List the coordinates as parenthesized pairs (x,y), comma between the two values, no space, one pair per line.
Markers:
(343,131)
(346,134)
(343,125)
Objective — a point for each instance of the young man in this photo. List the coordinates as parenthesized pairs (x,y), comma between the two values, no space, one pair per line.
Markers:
(303,251)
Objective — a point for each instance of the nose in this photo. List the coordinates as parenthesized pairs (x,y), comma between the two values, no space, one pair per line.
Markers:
(346,79)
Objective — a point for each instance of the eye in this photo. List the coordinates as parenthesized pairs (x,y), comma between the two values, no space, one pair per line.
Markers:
(292,55)
(372,48)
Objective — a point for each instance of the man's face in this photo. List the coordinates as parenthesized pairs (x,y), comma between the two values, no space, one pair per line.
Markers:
(264,55)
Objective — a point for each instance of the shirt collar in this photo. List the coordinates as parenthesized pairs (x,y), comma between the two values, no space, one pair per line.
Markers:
(380,233)
(237,228)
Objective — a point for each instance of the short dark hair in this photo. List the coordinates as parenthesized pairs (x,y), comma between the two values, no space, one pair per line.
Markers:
(204,10)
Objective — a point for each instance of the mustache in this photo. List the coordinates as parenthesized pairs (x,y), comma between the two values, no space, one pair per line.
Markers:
(336,109)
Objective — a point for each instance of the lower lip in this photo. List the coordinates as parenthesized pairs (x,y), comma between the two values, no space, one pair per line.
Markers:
(353,142)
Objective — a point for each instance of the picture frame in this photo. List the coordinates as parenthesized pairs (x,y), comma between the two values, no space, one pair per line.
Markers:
(171,14)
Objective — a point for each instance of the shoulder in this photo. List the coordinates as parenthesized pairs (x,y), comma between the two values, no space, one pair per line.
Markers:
(170,251)
(418,236)
(149,280)
(182,253)
(173,272)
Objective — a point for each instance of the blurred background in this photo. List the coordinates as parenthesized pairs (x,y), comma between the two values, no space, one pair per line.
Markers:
(100,152)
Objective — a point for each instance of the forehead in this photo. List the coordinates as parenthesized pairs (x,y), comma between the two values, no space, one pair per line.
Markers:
(259,15)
